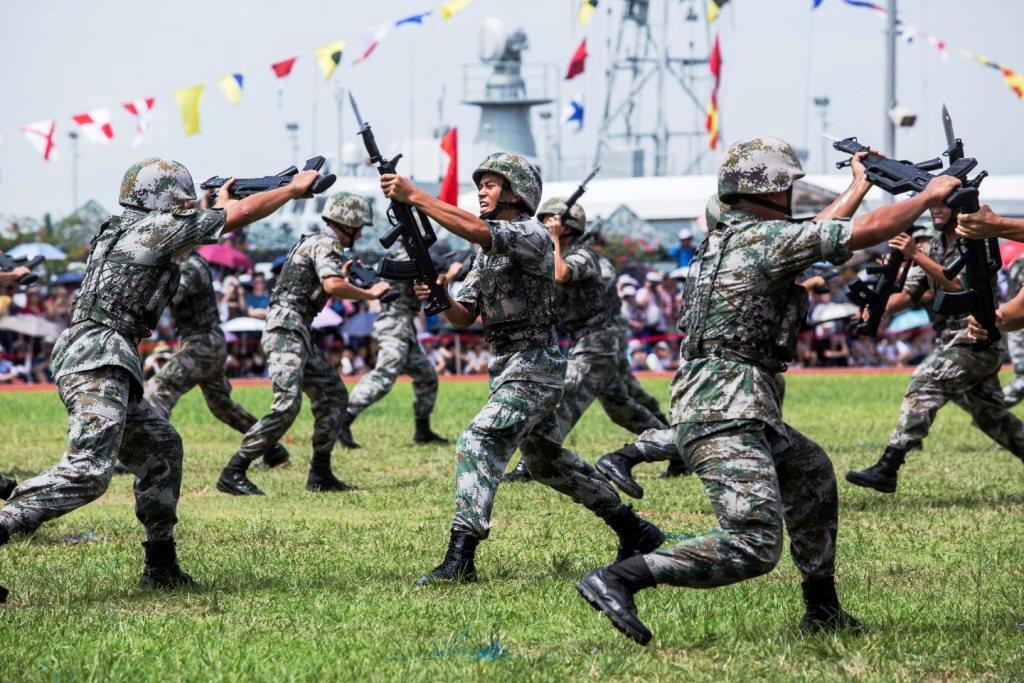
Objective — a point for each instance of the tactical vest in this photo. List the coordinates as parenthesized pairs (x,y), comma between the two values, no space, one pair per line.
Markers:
(517,307)
(126,292)
(583,305)
(763,330)
(298,286)
(196,313)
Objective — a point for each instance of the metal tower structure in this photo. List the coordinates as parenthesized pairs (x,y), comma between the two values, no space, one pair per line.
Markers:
(646,68)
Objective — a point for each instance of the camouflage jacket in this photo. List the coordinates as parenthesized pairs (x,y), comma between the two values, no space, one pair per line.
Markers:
(761,258)
(299,294)
(150,238)
(588,304)
(512,287)
(1014,277)
(194,305)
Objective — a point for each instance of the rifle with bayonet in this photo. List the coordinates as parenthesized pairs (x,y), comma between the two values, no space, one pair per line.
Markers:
(575,196)
(9,263)
(980,257)
(243,187)
(364,277)
(412,226)
(883,280)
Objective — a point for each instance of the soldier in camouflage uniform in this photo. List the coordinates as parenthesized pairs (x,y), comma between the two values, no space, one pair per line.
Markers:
(759,473)
(313,272)
(201,354)
(511,286)
(1014,392)
(588,306)
(398,352)
(953,371)
(129,278)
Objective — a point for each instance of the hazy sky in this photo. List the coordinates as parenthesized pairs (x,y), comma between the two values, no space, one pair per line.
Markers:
(61,58)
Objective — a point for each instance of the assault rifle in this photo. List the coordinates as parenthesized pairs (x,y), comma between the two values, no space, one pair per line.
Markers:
(8,264)
(575,196)
(413,227)
(364,277)
(884,280)
(896,177)
(243,187)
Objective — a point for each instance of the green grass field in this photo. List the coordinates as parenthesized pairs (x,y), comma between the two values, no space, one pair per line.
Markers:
(305,586)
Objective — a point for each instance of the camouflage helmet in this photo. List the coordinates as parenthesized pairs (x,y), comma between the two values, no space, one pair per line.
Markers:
(577,219)
(713,212)
(758,166)
(523,177)
(348,209)
(156,185)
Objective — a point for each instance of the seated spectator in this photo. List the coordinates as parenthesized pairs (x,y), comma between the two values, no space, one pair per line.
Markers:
(9,372)
(638,359)
(660,359)
(257,300)
(895,351)
(476,359)
(441,358)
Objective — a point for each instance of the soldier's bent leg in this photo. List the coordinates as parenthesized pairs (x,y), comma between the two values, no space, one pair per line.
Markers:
(623,409)
(328,401)
(738,473)
(922,400)
(97,403)
(151,450)
(484,448)
(424,381)
(374,385)
(217,394)
(985,404)
(582,385)
(175,379)
(286,360)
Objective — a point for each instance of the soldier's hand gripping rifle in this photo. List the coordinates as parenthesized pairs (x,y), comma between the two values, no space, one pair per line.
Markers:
(884,280)
(575,196)
(8,264)
(243,187)
(364,277)
(412,226)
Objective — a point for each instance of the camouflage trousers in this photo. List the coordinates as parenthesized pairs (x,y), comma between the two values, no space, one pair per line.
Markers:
(294,368)
(396,354)
(756,480)
(967,377)
(635,390)
(199,360)
(1014,392)
(593,375)
(520,414)
(107,421)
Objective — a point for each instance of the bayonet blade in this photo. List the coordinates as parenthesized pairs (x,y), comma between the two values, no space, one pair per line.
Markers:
(830,138)
(947,125)
(355,110)
(590,177)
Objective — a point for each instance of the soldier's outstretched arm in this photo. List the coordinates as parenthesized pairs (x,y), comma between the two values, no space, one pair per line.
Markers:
(887,221)
(457,221)
(242,212)
(341,288)
(459,315)
(986,223)
(10,277)
(847,203)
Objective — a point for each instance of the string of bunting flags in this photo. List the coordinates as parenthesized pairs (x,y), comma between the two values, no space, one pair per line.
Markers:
(97,127)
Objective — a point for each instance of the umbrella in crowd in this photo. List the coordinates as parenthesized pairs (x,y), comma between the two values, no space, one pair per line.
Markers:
(243,324)
(69,279)
(226,255)
(326,318)
(359,325)
(30,325)
(1010,251)
(909,320)
(32,249)
(827,313)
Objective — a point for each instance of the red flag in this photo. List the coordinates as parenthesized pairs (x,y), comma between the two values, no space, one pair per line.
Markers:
(284,67)
(711,122)
(715,62)
(578,61)
(450,185)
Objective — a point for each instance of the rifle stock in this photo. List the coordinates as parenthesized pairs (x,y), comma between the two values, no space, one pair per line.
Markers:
(244,187)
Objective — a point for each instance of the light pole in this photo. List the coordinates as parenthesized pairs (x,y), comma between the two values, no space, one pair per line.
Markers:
(822,104)
(73,135)
(293,133)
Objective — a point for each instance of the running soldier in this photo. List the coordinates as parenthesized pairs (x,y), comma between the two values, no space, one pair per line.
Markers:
(7,485)
(588,306)
(202,351)
(511,286)
(313,272)
(129,278)
(759,473)
(953,371)
(398,351)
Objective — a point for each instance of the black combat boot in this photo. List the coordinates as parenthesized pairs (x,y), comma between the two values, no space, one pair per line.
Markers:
(345,431)
(321,479)
(519,473)
(7,487)
(610,590)
(4,537)
(457,564)
(822,612)
(617,467)
(676,468)
(233,478)
(162,570)
(882,475)
(277,456)
(424,434)
(636,534)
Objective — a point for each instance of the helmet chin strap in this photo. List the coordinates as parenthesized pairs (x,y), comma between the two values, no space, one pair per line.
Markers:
(784,209)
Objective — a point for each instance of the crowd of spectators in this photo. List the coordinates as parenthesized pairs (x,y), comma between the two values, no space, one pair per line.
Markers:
(651,298)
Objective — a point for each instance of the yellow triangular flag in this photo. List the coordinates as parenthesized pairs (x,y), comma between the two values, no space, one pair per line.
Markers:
(586,11)
(450,9)
(329,56)
(231,86)
(188,100)
(713,10)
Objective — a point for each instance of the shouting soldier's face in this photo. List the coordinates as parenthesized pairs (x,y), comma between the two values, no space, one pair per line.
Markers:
(489,192)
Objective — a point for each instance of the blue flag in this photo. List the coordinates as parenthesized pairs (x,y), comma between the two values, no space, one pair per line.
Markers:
(574,112)
(414,18)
